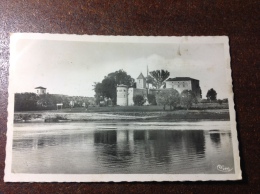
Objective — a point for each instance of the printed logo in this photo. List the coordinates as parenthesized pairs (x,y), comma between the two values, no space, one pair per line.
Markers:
(223,168)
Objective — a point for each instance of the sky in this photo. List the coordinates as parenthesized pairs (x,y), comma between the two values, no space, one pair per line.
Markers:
(72,67)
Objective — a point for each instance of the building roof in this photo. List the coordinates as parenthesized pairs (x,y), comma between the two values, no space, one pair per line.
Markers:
(122,85)
(141,76)
(40,87)
(181,79)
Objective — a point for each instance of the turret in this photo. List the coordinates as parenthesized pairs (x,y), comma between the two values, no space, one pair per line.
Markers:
(122,95)
(141,82)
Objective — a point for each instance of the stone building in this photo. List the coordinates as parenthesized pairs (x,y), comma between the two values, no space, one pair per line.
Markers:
(184,83)
(141,82)
(125,95)
(122,95)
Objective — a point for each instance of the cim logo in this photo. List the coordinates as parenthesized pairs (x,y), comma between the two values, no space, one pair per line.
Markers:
(222,168)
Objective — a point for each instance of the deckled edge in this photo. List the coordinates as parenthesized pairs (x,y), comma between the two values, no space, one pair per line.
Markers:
(12,177)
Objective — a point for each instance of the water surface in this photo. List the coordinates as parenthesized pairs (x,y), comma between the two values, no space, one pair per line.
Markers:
(122,147)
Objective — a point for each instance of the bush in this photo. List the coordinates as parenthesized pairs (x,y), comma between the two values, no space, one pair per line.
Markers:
(211,95)
(188,98)
(169,97)
(204,101)
(25,102)
(220,101)
(225,100)
(139,100)
(151,99)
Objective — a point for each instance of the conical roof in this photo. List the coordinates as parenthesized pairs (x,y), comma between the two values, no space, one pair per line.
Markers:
(141,76)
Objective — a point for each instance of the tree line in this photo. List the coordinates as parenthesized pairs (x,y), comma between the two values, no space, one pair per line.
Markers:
(173,99)
(168,97)
(31,101)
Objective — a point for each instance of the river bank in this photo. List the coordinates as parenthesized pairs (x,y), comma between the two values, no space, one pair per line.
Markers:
(221,114)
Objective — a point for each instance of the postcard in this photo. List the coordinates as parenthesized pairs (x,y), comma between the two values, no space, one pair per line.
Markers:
(85,108)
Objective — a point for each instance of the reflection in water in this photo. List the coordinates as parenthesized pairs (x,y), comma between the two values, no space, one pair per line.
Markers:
(215,138)
(105,137)
(128,148)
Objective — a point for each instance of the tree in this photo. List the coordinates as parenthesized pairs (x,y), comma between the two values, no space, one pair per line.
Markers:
(139,100)
(107,88)
(174,98)
(121,77)
(187,98)
(25,101)
(151,80)
(160,76)
(169,97)
(151,99)
(98,88)
(225,100)
(220,101)
(211,94)
(200,92)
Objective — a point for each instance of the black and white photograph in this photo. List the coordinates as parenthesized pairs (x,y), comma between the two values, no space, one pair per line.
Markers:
(85,108)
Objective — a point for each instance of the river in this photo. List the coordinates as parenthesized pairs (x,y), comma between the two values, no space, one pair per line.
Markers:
(122,147)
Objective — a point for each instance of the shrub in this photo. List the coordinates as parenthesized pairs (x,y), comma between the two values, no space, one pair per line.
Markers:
(139,100)
(211,95)
(151,99)
(168,97)
(25,102)
(220,101)
(225,100)
(188,98)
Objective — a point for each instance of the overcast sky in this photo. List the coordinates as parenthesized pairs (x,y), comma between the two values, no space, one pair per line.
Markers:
(71,67)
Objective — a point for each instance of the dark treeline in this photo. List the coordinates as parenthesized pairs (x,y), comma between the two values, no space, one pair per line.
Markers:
(31,101)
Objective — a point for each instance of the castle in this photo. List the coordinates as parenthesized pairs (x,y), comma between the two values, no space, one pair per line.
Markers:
(125,95)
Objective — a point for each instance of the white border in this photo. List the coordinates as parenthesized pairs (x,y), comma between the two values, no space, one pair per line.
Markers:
(12,177)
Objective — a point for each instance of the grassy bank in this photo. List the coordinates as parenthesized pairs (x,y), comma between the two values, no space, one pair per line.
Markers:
(62,116)
(97,109)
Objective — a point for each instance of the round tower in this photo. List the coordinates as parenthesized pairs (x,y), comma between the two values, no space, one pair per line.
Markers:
(122,95)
